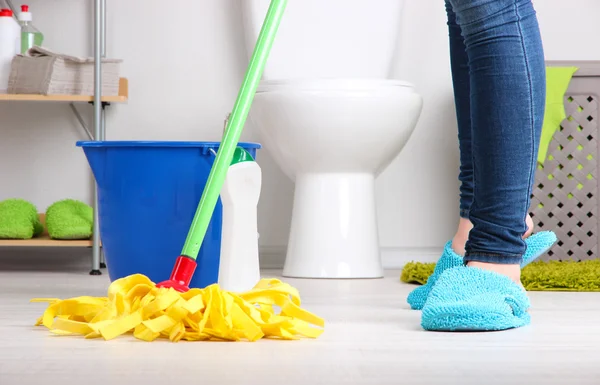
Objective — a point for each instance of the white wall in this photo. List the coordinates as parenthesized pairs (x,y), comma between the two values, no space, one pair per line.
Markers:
(184,75)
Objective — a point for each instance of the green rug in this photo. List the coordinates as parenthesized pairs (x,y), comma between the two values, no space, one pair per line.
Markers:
(537,276)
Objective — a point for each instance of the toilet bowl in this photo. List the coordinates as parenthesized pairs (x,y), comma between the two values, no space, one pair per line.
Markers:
(333,121)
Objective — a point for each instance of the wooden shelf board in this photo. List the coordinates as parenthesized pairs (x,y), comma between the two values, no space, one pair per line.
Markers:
(121,98)
(44,240)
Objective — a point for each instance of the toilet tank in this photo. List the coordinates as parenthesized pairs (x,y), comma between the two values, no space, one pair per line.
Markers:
(328,38)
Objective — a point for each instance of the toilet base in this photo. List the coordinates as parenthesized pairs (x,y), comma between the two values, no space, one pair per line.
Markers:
(334,228)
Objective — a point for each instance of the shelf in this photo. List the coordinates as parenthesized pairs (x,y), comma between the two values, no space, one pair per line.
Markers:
(45,241)
(121,98)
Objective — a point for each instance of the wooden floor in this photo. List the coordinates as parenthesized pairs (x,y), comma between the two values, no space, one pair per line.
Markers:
(371,337)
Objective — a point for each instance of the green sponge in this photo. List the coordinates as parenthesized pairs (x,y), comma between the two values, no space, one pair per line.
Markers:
(19,220)
(69,219)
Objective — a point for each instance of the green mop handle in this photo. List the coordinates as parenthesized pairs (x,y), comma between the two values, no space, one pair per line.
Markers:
(234,128)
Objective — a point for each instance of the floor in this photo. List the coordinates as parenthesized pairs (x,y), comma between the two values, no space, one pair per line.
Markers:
(371,337)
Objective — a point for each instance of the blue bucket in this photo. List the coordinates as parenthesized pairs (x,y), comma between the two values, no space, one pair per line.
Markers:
(148,193)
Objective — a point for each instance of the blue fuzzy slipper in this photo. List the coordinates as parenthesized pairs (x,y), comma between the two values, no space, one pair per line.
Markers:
(472,299)
(537,245)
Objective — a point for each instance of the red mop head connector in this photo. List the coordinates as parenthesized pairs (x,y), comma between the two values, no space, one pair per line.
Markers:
(182,274)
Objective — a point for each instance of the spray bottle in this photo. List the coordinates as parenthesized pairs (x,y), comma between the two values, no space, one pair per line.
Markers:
(239,269)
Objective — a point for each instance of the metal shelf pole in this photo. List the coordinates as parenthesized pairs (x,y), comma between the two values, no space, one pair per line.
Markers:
(99,18)
(103,111)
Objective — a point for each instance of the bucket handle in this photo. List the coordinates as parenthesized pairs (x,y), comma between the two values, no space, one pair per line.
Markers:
(210,150)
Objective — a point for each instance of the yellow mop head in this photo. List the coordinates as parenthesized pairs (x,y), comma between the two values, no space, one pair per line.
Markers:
(135,305)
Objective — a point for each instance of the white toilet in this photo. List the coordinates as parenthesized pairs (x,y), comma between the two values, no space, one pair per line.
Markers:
(332,119)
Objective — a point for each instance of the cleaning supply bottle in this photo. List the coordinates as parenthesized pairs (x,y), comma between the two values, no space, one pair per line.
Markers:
(30,35)
(239,269)
(9,45)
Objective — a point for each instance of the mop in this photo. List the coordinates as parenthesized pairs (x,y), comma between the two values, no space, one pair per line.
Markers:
(172,310)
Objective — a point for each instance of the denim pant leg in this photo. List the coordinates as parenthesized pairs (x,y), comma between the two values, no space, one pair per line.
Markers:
(507,93)
(461,81)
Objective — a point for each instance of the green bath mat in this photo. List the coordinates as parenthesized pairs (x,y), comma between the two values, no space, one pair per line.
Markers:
(537,276)
(69,219)
(19,220)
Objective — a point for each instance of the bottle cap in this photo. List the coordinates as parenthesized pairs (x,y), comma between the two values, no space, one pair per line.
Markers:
(241,155)
(6,13)
(25,15)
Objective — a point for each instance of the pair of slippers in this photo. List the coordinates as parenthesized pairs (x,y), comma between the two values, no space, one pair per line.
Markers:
(65,219)
(460,298)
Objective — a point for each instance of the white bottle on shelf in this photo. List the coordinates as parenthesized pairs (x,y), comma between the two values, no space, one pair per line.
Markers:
(239,269)
(10,44)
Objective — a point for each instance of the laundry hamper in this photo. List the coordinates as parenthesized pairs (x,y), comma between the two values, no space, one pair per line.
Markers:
(565,195)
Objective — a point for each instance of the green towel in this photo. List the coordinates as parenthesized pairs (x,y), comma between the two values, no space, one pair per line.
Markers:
(557,82)
(69,219)
(19,220)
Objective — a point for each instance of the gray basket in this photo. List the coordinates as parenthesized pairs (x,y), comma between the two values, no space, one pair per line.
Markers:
(565,195)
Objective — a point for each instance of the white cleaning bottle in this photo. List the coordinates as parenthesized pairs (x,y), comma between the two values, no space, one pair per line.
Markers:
(10,33)
(239,268)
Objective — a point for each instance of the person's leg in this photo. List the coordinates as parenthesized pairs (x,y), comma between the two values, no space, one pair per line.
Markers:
(461,81)
(507,97)
(454,250)
(507,94)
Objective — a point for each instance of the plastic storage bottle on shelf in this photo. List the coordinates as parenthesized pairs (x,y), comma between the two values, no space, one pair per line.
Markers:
(30,35)
(9,45)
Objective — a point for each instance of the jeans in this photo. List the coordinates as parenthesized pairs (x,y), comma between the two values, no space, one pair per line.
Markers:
(498,73)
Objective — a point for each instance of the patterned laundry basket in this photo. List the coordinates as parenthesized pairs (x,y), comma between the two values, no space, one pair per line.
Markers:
(565,195)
